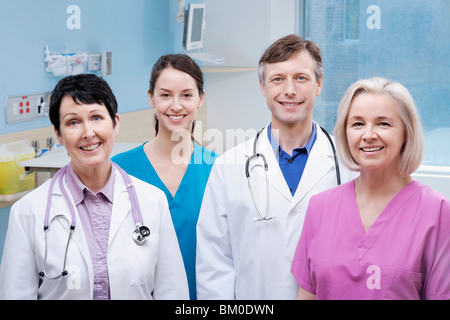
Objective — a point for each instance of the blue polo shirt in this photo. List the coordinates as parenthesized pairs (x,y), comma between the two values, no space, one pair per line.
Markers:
(293,166)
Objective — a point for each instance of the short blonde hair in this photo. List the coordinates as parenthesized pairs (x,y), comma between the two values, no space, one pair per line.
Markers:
(413,150)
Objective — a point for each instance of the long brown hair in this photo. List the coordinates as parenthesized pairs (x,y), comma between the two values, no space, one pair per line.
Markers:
(180,62)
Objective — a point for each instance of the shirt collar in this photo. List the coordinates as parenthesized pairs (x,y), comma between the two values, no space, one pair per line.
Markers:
(276,146)
(76,187)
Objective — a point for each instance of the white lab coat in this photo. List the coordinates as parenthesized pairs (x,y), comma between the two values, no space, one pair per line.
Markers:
(238,258)
(154,270)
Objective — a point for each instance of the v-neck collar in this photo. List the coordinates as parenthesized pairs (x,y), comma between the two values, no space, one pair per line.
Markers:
(366,239)
(163,187)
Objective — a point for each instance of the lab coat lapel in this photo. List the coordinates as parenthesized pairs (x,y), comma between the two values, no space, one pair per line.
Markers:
(276,178)
(121,206)
(320,162)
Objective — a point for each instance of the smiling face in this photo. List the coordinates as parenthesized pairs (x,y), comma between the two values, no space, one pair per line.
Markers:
(88,134)
(176,99)
(375,132)
(290,89)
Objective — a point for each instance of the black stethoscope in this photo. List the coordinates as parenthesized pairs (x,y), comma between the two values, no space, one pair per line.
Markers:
(140,233)
(257,155)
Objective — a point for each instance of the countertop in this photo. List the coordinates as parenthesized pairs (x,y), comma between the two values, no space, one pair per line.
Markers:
(55,160)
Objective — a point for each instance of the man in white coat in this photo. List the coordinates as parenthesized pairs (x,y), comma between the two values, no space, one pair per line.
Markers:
(251,219)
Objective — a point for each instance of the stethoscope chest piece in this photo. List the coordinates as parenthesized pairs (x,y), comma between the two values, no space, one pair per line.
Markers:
(140,234)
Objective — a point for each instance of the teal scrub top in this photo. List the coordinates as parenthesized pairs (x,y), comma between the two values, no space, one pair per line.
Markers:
(185,205)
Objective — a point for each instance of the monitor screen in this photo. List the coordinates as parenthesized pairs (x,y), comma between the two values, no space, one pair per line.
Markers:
(197,25)
(194,27)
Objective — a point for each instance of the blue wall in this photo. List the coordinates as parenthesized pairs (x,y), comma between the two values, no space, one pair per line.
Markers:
(137,32)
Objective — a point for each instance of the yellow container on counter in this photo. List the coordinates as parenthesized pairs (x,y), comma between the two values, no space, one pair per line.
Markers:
(14,181)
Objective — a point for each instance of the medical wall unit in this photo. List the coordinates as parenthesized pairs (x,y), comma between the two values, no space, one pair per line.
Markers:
(14,180)
(27,107)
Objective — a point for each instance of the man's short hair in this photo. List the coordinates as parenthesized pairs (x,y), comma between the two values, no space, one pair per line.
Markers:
(284,48)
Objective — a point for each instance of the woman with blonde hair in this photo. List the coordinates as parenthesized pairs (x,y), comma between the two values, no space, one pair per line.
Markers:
(382,235)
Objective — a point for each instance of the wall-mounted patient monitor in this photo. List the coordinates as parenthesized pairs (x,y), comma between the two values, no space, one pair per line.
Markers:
(194,26)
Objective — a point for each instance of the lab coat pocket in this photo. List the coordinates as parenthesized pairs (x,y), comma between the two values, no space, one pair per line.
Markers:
(143,261)
(143,257)
(400,284)
(143,286)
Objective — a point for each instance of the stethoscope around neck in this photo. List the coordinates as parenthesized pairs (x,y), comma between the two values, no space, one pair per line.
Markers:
(139,234)
(257,155)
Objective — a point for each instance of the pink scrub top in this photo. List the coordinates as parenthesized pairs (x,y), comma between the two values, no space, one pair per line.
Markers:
(404,255)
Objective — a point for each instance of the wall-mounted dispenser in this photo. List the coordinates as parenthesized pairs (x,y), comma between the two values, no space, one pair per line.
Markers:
(60,63)
(106,63)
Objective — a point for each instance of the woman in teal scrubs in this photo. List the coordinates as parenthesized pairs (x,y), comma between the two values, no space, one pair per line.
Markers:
(172,161)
